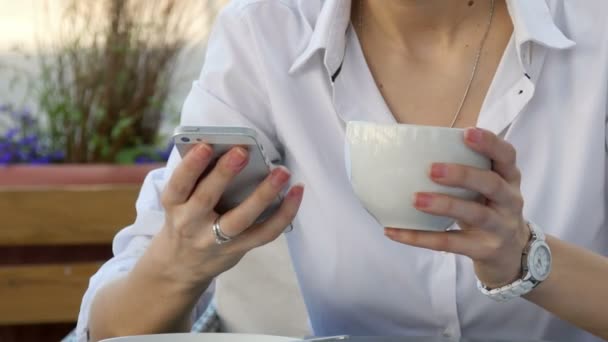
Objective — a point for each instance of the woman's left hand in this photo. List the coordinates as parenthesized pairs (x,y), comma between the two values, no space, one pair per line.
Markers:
(493,233)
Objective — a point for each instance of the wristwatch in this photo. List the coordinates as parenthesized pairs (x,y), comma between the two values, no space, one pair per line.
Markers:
(535,264)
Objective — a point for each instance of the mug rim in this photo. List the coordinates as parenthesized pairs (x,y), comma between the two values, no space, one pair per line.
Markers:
(371,123)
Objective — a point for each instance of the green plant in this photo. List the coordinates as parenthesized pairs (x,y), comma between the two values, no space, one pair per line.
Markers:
(104,82)
(25,142)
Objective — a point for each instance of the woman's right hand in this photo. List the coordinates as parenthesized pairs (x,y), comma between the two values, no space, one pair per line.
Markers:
(190,253)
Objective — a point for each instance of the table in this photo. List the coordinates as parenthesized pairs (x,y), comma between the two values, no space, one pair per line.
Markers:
(263,338)
(404,339)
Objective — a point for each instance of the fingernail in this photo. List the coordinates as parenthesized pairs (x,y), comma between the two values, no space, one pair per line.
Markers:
(439,170)
(389,232)
(473,135)
(238,157)
(401,235)
(279,176)
(205,151)
(422,200)
(297,192)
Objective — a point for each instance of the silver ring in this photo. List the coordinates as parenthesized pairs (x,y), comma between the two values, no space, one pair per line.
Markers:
(220,237)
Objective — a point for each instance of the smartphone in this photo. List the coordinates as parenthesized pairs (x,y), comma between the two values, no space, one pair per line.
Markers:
(222,139)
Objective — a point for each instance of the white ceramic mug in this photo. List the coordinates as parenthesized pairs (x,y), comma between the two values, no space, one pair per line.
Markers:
(388,164)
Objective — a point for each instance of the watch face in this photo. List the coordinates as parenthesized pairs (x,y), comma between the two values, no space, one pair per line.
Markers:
(540,261)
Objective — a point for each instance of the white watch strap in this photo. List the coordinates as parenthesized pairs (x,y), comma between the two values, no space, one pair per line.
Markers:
(535,229)
(519,287)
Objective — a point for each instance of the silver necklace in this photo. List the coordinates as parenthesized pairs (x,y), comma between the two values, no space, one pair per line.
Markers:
(475,63)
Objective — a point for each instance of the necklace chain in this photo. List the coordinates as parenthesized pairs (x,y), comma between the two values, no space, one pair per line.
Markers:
(475,63)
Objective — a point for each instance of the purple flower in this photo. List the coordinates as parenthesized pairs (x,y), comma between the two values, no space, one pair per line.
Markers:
(58,156)
(11,133)
(23,156)
(14,115)
(30,140)
(164,154)
(25,117)
(142,159)
(6,158)
(24,141)
(41,160)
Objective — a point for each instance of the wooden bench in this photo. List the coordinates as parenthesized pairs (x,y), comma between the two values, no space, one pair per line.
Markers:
(51,241)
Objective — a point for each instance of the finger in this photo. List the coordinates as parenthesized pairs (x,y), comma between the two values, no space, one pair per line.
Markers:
(210,188)
(186,174)
(488,183)
(468,212)
(243,216)
(267,231)
(502,153)
(459,242)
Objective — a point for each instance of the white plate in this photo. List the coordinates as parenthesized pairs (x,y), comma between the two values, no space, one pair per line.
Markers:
(202,338)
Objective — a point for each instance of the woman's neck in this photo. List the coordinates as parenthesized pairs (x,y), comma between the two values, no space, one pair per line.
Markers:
(419,23)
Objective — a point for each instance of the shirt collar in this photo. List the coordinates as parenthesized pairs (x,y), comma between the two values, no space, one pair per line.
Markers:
(532,23)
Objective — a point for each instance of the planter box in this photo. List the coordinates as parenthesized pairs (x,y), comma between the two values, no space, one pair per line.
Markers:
(67,204)
(73,174)
(56,229)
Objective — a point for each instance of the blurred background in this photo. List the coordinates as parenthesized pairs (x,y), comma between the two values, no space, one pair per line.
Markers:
(73,64)
(90,91)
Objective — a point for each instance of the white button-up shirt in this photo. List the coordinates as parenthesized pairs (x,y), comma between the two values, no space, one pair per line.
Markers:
(294,70)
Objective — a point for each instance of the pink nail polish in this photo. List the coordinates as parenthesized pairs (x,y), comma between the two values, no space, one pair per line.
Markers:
(422,200)
(439,170)
(297,192)
(389,232)
(279,176)
(474,135)
(237,157)
(205,151)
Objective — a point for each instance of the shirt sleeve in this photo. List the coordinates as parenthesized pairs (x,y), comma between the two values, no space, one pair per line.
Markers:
(230,91)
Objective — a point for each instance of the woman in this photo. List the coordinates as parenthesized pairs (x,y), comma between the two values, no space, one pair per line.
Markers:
(531,74)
